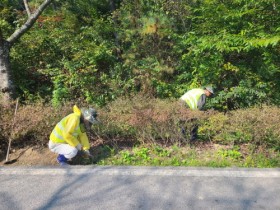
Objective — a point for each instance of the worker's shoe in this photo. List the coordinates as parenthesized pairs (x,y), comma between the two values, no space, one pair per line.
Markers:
(62,160)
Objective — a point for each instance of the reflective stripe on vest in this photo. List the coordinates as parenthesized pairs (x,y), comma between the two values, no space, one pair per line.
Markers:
(192,97)
(57,135)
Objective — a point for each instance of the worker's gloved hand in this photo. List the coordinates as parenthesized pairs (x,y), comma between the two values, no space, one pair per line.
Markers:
(87,153)
(79,147)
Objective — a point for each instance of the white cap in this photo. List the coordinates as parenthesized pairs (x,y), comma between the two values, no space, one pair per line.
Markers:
(210,89)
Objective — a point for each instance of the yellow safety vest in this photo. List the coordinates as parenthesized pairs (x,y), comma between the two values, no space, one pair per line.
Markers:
(192,96)
(68,131)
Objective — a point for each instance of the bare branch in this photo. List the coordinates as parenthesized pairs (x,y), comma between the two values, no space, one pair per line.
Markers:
(29,23)
(27,8)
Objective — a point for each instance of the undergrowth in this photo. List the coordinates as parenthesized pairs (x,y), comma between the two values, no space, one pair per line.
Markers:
(250,137)
(156,155)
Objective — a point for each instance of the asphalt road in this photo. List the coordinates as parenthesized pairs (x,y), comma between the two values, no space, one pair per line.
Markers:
(93,187)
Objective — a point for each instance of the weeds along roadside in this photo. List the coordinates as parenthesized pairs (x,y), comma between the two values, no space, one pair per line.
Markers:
(248,137)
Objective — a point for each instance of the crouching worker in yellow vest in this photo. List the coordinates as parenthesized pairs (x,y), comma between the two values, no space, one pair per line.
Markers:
(195,99)
(69,135)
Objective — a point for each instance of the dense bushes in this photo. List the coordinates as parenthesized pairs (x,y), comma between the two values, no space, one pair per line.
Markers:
(259,126)
(154,120)
(148,120)
(144,119)
(96,52)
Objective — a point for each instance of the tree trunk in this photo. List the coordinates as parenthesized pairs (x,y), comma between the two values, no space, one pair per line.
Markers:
(6,82)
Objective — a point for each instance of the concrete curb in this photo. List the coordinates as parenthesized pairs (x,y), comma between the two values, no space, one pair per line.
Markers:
(142,171)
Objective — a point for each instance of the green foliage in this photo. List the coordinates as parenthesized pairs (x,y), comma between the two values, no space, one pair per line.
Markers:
(9,17)
(96,52)
(228,46)
(146,40)
(246,94)
(60,92)
(186,156)
(232,153)
(74,70)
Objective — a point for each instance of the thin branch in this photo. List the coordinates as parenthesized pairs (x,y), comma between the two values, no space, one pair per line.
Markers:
(29,23)
(27,8)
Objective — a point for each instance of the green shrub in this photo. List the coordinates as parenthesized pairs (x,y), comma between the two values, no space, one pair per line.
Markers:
(259,126)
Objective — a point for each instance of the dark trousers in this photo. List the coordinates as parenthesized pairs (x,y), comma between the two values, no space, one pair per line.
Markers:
(192,132)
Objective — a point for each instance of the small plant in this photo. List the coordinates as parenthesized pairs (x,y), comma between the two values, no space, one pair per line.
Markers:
(231,153)
(175,161)
(126,157)
(142,154)
(161,152)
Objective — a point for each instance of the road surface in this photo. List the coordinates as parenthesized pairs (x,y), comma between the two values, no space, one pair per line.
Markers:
(130,188)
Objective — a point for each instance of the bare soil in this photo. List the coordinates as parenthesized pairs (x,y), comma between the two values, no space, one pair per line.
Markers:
(30,156)
(40,155)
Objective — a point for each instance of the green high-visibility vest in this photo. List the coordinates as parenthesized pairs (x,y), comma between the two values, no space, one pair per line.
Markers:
(192,96)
